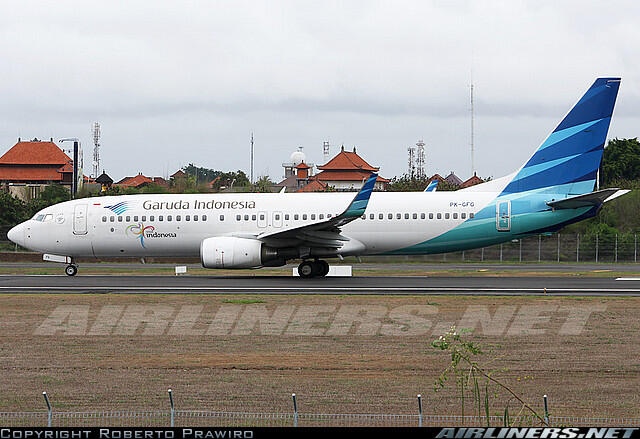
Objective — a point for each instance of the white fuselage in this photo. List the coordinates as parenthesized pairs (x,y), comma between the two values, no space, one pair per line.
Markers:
(175,225)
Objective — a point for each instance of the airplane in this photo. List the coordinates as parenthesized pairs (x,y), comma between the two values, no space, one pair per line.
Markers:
(553,188)
(432,186)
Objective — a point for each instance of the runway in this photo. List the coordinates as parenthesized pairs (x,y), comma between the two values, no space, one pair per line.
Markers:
(373,285)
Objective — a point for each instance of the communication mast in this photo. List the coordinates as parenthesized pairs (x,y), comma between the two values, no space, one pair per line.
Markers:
(420,159)
(325,151)
(412,166)
(251,172)
(96,150)
(473,166)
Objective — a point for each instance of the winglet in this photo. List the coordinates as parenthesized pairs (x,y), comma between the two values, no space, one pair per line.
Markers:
(360,201)
(432,186)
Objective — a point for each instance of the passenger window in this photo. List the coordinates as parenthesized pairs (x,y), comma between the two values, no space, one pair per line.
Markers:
(187,217)
(238,217)
(128,219)
(178,217)
(455,215)
(439,215)
(204,217)
(471,215)
(463,215)
(277,216)
(296,217)
(304,216)
(119,219)
(253,217)
(144,218)
(446,215)
(364,217)
(321,216)
(398,216)
(286,217)
(372,216)
(390,216)
(195,217)
(423,216)
(328,215)
(246,217)
(112,219)
(161,218)
(135,218)
(381,216)
(152,218)
(221,217)
(430,215)
(313,216)
(169,218)
(104,219)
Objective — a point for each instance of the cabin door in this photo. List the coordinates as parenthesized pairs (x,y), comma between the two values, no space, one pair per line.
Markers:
(503,216)
(80,219)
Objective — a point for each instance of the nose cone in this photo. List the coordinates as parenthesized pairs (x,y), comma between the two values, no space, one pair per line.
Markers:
(16,234)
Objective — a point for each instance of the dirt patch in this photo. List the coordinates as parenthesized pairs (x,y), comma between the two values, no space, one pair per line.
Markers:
(362,370)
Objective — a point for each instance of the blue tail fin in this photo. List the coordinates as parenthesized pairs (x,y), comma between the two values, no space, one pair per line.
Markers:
(568,160)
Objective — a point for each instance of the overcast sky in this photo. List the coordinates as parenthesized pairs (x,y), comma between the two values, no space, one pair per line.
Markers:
(179,82)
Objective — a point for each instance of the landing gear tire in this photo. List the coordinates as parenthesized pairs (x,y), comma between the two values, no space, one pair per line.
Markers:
(321,267)
(306,269)
(71,270)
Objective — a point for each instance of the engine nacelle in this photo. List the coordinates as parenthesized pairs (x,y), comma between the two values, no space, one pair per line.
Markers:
(231,252)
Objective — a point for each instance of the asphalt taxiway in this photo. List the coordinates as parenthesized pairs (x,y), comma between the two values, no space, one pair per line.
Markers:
(357,285)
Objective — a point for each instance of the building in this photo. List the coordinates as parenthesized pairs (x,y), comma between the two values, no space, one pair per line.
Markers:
(474,180)
(346,171)
(140,180)
(29,166)
(296,172)
(453,180)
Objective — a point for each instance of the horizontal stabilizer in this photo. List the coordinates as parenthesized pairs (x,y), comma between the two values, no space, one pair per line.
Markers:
(591,199)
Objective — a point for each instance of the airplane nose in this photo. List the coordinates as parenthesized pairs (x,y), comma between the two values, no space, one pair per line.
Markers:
(16,234)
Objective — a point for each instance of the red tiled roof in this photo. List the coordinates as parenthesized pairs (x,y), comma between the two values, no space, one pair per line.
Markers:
(355,175)
(136,181)
(314,186)
(348,160)
(34,153)
(160,181)
(436,177)
(303,165)
(30,173)
(178,173)
(471,182)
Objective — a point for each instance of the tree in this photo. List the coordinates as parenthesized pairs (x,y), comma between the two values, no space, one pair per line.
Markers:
(407,183)
(620,162)
(264,184)
(12,210)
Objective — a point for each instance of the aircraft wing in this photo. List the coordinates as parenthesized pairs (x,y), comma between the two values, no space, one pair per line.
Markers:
(591,199)
(432,186)
(324,233)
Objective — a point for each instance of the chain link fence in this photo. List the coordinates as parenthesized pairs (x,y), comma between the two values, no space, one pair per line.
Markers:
(200,418)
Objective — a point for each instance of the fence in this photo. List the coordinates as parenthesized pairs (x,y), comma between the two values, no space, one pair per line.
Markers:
(559,247)
(202,418)
(198,418)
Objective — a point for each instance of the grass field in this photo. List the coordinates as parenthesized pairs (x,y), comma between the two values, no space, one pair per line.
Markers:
(594,373)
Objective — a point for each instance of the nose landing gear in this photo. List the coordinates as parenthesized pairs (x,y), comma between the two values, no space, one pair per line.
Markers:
(308,269)
(71,270)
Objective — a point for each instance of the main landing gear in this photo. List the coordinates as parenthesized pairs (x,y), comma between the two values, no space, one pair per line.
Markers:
(71,270)
(308,269)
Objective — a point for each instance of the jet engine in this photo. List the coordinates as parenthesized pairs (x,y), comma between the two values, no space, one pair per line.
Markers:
(231,252)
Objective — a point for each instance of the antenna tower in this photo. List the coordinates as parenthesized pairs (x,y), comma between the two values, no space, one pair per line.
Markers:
(420,159)
(412,155)
(473,166)
(325,151)
(96,150)
(251,173)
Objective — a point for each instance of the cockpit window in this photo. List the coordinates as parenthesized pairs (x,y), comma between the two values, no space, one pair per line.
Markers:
(48,217)
(39,217)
